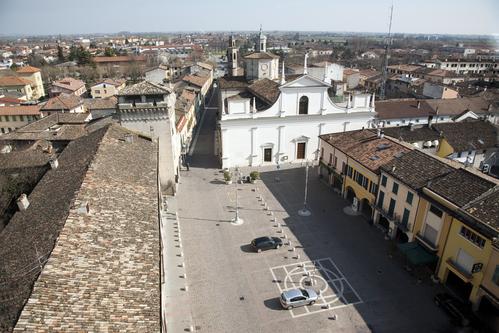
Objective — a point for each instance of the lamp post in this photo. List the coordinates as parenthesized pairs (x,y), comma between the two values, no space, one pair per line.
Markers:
(237,220)
(305,211)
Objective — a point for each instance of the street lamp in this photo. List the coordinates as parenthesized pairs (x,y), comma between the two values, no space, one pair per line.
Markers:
(237,220)
(305,211)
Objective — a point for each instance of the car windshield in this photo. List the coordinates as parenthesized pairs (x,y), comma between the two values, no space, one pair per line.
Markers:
(304,292)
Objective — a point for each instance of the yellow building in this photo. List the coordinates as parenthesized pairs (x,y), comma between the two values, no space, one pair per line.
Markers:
(33,75)
(366,152)
(399,202)
(17,87)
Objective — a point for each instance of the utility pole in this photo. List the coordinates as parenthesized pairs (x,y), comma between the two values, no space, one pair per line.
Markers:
(388,41)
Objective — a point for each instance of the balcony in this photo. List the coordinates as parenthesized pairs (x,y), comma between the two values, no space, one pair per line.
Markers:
(395,218)
(466,276)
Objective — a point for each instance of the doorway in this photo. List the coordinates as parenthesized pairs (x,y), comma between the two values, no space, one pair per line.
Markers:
(458,286)
(300,150)
(267,154)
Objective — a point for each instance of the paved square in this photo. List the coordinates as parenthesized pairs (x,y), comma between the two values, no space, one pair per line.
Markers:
(321,275)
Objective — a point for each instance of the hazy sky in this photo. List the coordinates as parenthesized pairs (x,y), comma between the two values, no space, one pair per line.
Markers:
(89,16)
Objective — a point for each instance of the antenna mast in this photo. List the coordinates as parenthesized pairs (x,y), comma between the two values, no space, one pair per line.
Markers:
(388,41)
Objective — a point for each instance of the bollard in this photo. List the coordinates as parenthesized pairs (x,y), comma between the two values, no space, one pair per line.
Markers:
(183,276)
(294,249)
(181,254)
(285,236)
(273,219)
(181,264)
(191,328)
(278,225)
(297,256)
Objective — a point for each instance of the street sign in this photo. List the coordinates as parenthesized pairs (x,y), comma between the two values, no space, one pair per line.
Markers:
(477,268)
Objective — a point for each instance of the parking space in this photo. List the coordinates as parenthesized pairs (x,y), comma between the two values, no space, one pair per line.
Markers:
(324,277)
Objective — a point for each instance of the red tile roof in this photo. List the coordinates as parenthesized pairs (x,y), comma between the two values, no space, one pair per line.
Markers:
(28,69)
(20,110)
(69,83)
(196,80)
(9,81)
(118,59)
(63,102)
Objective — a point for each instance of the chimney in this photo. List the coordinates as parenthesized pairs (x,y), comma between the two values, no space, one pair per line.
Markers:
(129,138)
(23,202)
(419,105)
(54,163)
(394,168)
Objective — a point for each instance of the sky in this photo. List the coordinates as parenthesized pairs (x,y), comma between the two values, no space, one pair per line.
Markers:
(37,17)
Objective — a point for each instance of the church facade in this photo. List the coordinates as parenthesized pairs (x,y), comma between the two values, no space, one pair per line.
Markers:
(267,118)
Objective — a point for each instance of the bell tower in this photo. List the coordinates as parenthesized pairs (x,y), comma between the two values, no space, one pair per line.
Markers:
(261,42)
(232,57)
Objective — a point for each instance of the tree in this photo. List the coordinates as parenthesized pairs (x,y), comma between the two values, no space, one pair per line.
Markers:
(109,52)
(134,72)
(60,54)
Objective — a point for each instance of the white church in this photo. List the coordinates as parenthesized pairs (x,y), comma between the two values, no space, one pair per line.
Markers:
(268,118)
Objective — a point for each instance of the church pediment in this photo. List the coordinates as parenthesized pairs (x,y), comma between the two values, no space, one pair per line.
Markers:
(305,81)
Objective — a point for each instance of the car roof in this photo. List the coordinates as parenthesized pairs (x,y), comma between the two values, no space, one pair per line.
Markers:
(292,293)
(261,239)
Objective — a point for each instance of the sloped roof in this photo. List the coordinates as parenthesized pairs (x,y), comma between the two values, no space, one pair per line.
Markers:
(265,89)
(16,110)
(69,83)
(64,102)
(416,169)
(452,107)
(144,88)
(112,82)
(451,186)
(118,59)
(13,81)
(27,69)
(233,82)
(404,108)
(486,208)
(466,135)
(196,80)
(416,134)
(31,235)
(104,269)
(261,55)
(100,103)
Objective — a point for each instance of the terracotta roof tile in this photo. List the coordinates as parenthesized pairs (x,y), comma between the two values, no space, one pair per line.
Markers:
(63,102)
(28,69)
(11,81)
(69,83)
(466,135)
(24,110)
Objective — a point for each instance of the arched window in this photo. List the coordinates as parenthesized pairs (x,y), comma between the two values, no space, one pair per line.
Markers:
(303,107)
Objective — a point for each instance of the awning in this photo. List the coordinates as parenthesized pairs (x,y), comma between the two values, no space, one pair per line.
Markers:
(416,254)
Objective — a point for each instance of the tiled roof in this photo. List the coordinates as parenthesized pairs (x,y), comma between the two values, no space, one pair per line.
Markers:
(406,108)
(10,100)
(118,59)
(27,69)
(63,102)
(265,89)
(466,135)
(416,134)
(12,81)
(374,153)
(30,236)
(486,208)
(104,271)
(452,107)
(460,186)
(144,88)
(24,159)
(366,148)
(405,67)
(196,80)
(233,82)
(261,55)
(69,83)
(100,103)
(112,82)
(24,110)
(416,168)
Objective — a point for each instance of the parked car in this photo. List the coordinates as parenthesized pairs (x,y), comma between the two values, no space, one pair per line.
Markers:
(459,311)
(298,297)
(264,243)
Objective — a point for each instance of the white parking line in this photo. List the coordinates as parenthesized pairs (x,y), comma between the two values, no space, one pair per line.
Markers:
(340,283)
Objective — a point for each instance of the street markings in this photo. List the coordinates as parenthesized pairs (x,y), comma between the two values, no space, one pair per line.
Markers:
(324,277)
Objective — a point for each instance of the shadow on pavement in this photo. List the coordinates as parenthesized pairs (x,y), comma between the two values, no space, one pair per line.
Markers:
(247,248)
(273,304)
